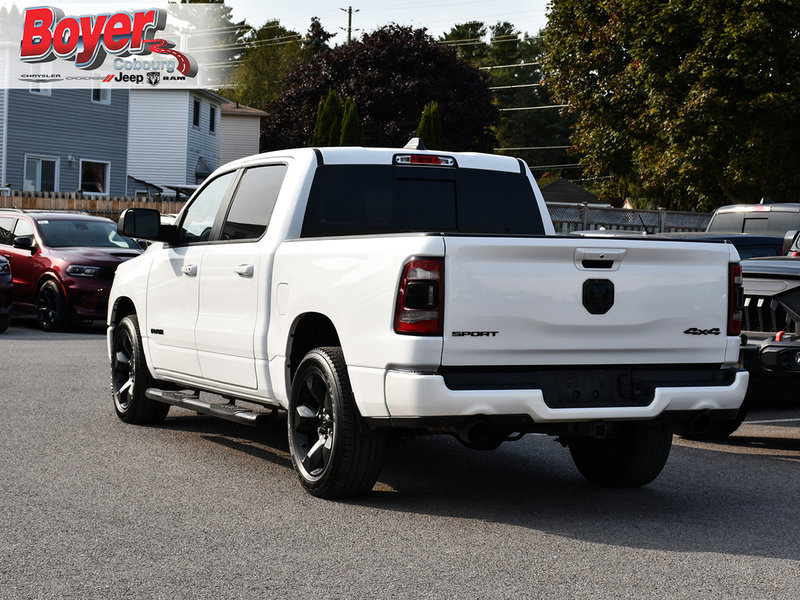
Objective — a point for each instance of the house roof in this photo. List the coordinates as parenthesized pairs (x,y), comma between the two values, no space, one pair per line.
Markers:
(234,108)
(562,190)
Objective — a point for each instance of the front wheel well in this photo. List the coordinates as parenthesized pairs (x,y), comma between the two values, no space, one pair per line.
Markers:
(122,308)
(311,330)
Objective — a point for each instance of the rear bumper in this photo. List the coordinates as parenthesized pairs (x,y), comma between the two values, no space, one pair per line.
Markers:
(415,395)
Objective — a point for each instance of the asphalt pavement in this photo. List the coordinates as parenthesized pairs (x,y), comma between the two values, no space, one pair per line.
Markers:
(200,508)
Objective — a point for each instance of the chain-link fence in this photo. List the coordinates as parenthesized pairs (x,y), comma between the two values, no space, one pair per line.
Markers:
(580,217)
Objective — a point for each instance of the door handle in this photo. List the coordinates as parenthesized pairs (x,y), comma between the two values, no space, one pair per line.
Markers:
(244,270)
(190,270)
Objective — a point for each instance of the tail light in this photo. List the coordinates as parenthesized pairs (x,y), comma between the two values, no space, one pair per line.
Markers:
(735,299)
(420,298)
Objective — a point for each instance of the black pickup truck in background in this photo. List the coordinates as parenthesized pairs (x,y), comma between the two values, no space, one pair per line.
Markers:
(766,218)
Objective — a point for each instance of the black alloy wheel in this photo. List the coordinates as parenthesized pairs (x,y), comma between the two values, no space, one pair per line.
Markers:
(332,455)
(51,309)
(130,377)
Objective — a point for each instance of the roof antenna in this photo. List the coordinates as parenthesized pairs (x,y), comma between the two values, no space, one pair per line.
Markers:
(415,144)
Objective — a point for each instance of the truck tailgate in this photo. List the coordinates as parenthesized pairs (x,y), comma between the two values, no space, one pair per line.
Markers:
(563,301)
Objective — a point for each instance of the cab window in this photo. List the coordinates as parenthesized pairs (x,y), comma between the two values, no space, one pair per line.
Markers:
(253,202)
(198,221)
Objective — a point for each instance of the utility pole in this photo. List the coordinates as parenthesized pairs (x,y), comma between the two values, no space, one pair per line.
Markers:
(349,10)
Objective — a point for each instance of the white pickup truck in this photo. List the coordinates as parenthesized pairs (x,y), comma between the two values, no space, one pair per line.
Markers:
(377,291)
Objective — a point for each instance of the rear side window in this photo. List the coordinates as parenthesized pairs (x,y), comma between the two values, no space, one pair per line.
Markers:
(253,202)
(6,227)
(375,199)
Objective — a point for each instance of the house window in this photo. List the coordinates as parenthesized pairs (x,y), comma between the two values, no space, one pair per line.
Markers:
(43,88)
(196,116)
(41,174)
(94,177)
(101,96)
(212,116)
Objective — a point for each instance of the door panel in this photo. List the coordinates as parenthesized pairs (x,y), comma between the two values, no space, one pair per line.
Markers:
(172,301)
(228,306)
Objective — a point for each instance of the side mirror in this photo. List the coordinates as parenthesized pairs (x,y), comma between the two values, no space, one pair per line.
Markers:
(23,243)
(141,223)
(789,240)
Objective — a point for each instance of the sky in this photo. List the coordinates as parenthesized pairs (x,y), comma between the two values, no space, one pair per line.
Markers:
(437,16)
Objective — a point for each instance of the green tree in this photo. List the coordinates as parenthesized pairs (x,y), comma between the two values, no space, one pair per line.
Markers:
(272,51)
(390,74)
(351,126)
(430,126)
(687,103)
(513,60)
(218,41)
(467,38)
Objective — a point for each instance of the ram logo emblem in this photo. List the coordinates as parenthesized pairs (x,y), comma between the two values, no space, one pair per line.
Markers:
(598,296)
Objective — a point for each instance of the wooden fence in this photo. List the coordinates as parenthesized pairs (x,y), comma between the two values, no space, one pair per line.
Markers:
(566,217)
(102,206)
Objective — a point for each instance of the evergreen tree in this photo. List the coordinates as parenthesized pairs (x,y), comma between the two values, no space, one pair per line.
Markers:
(316,39)
(317,138)
(351,126)
(430,126)
(328,126)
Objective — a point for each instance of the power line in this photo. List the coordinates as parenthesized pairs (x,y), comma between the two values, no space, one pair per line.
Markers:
(533,107)
(524,64)
(554,166)
(513,87)
(534,148)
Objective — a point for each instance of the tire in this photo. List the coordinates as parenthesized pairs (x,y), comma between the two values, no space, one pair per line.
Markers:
(51,307)
(632,455)
(5,321)
(130,377)
(332,456)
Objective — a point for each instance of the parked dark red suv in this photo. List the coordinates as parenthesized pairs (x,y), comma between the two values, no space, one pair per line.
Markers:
(5,294)
(62,263)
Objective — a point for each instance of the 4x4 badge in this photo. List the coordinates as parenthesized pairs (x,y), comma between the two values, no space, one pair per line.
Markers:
(696,331)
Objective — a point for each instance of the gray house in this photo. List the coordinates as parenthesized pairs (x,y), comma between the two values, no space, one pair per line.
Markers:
(64,140)
(173,139)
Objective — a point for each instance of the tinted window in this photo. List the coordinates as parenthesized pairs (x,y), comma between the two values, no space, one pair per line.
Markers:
(198,221)
(727,222)
(756,225)
(362,199)
(253,203)
(6,226)
(63,233)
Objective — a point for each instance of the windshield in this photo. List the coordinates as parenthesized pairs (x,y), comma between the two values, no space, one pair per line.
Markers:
(65,233)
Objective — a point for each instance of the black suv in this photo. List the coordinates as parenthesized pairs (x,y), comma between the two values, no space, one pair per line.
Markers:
(62,263)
